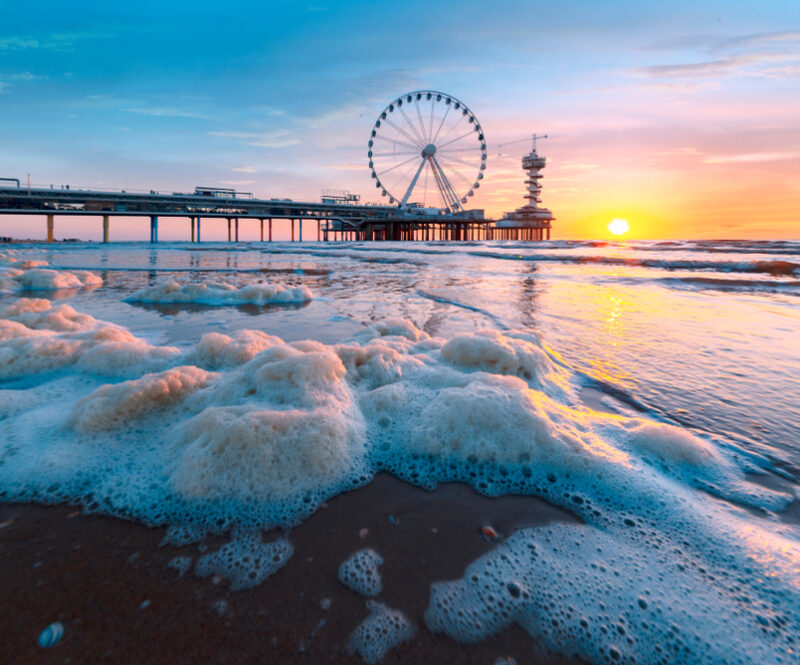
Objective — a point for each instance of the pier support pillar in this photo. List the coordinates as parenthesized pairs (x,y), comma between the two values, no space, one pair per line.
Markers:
(105,228)
(192,220)
(262,229)
(300,230)
(236,225)
(198,229)
(292,230)
(153,228)
(49,228)
(270,230)
(319,224)
(229,229)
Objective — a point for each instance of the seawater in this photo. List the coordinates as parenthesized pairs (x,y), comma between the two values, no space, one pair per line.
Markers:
(651,388)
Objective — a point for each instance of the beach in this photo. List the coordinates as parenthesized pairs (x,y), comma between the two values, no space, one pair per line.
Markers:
(559,452)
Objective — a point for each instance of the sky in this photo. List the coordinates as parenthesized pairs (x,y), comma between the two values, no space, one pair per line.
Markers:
(681,117)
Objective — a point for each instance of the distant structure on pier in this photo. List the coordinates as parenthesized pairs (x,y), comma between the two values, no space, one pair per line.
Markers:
(530,222)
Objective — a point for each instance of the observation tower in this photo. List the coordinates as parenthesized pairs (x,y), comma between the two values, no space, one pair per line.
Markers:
(530,222)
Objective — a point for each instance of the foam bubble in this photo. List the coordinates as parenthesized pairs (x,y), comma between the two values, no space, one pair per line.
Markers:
(383,630)
(246,561)
(360,572)
(221,294)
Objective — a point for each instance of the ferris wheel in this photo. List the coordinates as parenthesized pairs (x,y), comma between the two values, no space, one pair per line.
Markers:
(430,145)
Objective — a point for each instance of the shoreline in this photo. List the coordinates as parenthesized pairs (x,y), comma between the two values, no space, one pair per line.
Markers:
(108,581)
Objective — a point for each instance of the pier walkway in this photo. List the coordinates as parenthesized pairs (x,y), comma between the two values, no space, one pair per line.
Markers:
(329,221)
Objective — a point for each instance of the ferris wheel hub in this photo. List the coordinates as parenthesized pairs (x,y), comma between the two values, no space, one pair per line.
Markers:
(429,150)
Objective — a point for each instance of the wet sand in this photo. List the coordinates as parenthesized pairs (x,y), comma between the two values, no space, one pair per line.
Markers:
(109,583)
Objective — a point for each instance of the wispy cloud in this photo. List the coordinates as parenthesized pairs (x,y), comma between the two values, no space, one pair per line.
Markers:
(751,157)
(237,182)
(333,116)
(57,41)
(578,166)
(169,112)
(244,169)
(7,79)
(346,166)
(768,54)
(759,39)
(277,139)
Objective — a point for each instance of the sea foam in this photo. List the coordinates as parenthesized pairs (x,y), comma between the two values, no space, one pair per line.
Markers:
(250,432)
(18,274)
(221,294)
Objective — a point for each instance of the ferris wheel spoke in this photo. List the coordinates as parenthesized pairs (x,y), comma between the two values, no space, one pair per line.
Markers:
(454,126)
(399,184)
(410,159)
(412,126)
(430,124)
(421,123)
(425,188)
(454,140)
(413,182)
(392,154)
(439,187)
(470,149)
(452,197)
(439,129)
(405,133)
(456,171)
(451,158)
(398,142)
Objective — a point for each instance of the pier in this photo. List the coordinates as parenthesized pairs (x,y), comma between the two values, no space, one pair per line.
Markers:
(328,220)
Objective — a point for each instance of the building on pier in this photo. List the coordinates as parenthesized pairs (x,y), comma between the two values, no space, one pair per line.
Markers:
(530,222)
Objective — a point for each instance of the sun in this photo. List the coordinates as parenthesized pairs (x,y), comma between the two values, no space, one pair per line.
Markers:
(618,226)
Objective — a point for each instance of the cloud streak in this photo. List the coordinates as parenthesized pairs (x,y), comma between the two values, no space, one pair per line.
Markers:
(276,139)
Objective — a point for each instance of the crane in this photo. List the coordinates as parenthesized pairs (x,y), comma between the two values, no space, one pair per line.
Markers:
(534,137)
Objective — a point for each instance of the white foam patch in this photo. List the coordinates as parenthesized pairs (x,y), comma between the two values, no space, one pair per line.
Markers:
(114,406)
(221,294)
(36,337)
(216,350)
(360,573)
(518,354)
(284,427)
(635,600)
(25,276)
(246,561)
(383,630)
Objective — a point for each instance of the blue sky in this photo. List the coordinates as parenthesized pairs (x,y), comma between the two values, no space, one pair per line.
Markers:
(279,100)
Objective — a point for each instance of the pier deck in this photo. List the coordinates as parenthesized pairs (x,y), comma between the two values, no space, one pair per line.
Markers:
(334,221)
